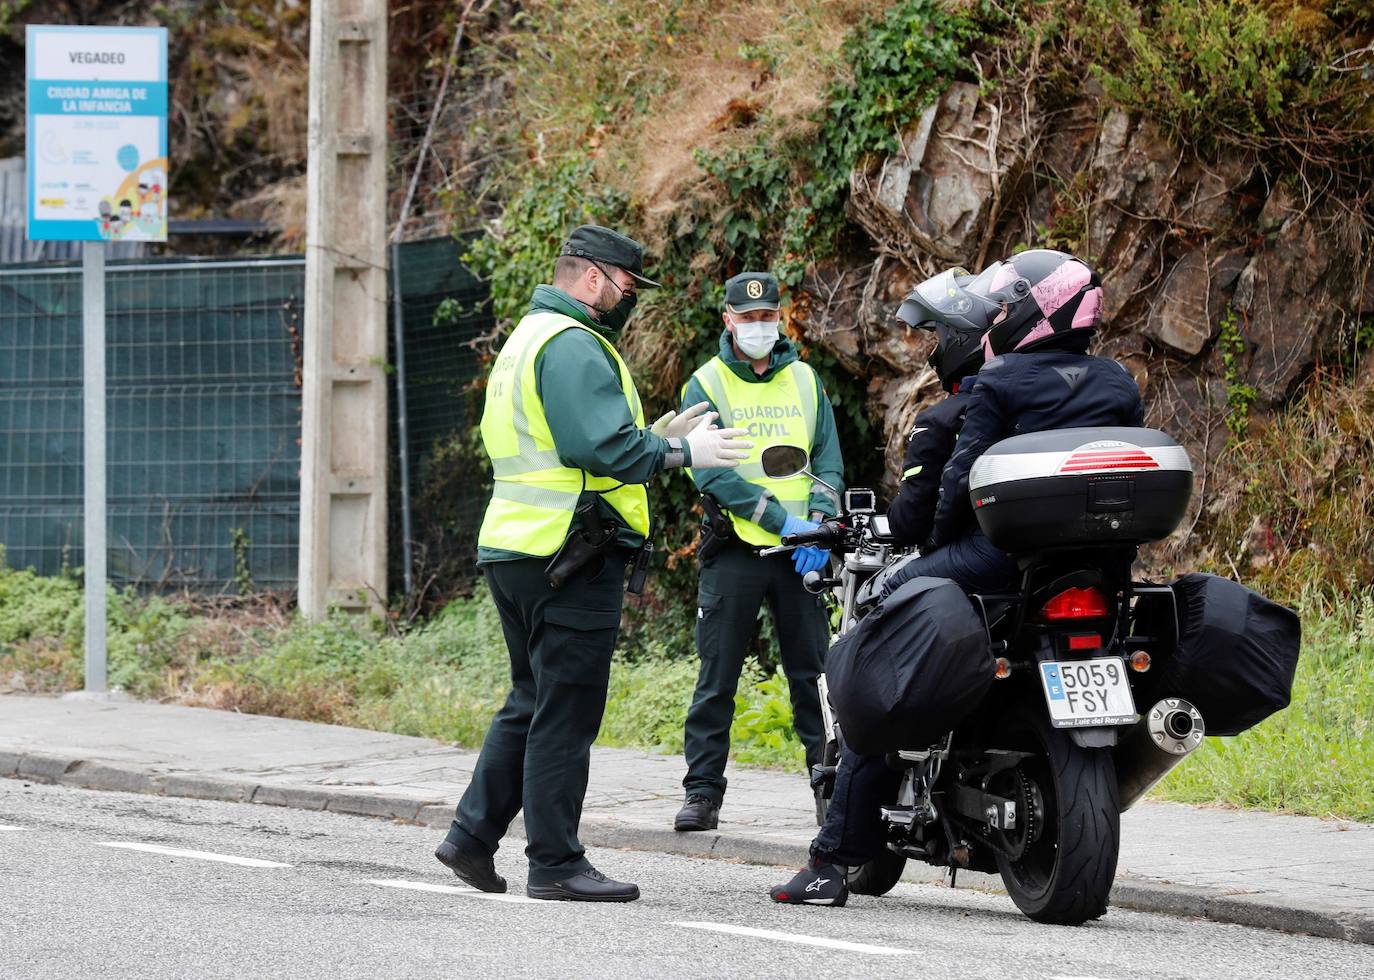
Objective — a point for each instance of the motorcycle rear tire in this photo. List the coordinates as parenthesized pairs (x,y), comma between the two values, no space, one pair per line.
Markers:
(879,876)
(1065,876)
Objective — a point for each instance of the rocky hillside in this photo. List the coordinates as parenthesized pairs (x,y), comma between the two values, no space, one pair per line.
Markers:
(1227,283)
(1214,159)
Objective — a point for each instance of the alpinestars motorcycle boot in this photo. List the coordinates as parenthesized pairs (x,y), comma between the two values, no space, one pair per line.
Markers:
(816,884)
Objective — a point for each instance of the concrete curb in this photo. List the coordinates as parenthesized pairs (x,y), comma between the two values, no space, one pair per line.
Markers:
(1142,895)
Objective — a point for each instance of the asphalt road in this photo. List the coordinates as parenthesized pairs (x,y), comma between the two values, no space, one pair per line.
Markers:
(336,896)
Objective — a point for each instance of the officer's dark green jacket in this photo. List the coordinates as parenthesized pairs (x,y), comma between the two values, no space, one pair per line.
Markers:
(737,494)
(588,416)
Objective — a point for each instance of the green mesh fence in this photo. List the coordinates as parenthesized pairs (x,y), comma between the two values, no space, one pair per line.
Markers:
(203,366)
(444,310)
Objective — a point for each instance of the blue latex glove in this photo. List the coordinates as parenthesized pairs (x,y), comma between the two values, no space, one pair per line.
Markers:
(808,558)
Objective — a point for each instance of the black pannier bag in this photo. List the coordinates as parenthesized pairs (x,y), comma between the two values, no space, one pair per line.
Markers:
(911,669)
(1236,655)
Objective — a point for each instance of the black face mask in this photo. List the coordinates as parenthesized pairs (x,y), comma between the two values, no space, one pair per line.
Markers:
(617,316)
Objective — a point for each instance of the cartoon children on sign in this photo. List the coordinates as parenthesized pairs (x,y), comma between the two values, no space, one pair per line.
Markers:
(137,210)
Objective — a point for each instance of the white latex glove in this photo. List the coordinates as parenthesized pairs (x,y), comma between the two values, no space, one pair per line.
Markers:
(673,425)
(714,448)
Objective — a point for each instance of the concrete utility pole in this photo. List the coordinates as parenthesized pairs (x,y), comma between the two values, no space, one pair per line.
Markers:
(343,450)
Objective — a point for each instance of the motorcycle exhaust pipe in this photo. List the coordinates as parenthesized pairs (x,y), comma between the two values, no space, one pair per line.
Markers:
(1163,738)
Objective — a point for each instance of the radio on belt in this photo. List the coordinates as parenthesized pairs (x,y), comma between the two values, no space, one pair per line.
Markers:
(1069,487)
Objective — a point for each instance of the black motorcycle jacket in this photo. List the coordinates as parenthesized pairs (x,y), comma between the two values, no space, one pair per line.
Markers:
(1019,393)
(928,449)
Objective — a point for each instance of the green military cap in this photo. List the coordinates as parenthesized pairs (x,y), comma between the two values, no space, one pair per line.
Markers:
(751,291)
(604,245)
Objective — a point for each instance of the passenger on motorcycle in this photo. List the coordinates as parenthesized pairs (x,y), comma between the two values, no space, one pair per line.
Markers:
(1034,315)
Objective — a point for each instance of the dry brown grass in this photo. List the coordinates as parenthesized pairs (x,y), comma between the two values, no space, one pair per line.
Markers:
(694,75)
(41,666)
(752,61)
(282,206)
(1297,511)
(331,704)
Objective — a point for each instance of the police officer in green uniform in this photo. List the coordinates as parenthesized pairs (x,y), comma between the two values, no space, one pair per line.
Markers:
(570,453)
(757,383)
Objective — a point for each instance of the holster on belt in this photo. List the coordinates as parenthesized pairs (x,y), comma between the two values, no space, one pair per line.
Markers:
(585,544)
(716,530)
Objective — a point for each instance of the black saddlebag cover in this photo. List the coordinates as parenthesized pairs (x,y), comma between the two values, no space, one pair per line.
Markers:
(910,670)
(1236,656)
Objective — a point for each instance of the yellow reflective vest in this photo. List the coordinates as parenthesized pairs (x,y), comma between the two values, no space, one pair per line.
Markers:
(779,411)
(534,493)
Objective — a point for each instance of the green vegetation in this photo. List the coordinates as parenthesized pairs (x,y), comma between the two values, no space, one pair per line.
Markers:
(1273,76)
(520,254)
(442,680)
(814,89)
(1203,68)
(1239,395)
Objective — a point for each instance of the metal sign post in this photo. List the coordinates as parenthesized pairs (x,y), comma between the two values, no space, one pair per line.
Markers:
(93,441)
(96,157)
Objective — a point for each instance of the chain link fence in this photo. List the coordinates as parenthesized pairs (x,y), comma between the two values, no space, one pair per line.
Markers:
(438,498)
(203,426)
(204,401)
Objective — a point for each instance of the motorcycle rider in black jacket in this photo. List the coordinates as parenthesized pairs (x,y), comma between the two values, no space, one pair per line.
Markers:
(863,783)
(1035,314)
(929,445)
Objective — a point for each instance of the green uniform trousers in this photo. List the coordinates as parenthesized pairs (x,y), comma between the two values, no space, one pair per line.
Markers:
(538,749)
(733,586)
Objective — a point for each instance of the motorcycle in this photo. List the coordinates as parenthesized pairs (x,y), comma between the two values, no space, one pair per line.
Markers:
(1031,785)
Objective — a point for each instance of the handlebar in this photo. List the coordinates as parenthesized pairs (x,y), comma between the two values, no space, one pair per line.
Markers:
(828,535)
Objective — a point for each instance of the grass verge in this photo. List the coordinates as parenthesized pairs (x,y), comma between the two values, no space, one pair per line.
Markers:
(445,680)
(442,680)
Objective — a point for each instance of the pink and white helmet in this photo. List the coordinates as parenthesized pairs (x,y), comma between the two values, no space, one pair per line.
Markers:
(1046,297)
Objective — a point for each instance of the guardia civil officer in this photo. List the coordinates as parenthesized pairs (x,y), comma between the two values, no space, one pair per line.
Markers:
(564,428)
(756,382)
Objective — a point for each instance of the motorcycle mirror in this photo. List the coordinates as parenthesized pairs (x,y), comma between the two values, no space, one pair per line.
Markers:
(781,462)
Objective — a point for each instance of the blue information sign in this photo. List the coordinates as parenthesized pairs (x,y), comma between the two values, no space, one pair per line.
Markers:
(97,133)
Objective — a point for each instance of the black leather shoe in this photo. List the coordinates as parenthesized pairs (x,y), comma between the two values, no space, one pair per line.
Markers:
(589,886)
(698,813)
(479,872)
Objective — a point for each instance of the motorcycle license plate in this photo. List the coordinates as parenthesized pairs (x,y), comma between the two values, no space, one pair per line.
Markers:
(1086,693)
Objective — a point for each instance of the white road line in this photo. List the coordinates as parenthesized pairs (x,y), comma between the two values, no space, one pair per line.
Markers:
(788,937)
(198,855)
(10,826)
(1062,977)
(464,890)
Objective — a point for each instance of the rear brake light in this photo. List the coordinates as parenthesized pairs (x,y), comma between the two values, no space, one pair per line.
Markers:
(1076,603)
